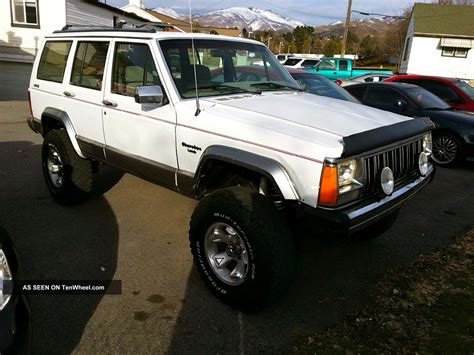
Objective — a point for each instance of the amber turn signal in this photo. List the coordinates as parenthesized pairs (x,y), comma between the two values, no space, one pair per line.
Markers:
(329,190)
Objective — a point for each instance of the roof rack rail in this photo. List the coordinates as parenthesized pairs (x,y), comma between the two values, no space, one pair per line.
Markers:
(146,27)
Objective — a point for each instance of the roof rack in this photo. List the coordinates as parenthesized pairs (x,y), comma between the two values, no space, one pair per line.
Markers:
(147,27)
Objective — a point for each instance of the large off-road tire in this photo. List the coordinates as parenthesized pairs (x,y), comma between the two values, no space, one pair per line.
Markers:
(68,176)
(447,149)
(242,247)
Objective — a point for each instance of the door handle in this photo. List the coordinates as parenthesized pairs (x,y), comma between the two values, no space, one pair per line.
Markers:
(335,72)
(69,94)
(109,103)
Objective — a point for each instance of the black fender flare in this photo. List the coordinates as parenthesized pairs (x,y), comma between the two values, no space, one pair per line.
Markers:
(267,167)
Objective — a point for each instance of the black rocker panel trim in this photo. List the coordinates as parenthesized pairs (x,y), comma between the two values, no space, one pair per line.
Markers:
(154,172)
(90,148)
(365,141)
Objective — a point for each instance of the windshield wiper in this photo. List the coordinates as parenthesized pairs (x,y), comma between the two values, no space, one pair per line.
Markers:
(273,84)
(223,86)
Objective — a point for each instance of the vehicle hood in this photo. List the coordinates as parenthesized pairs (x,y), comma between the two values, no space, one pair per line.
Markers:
(451,115)
(338,117)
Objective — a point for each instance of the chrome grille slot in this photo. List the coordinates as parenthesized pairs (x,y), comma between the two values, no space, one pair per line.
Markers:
(403,161)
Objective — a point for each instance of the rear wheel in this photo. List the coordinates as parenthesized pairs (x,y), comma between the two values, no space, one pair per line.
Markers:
(446,149)
(242,247)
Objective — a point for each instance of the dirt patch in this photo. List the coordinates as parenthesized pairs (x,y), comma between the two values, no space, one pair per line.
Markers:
(427,307)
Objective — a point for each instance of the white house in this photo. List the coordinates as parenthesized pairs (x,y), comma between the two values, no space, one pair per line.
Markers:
(440,41)
(23,24)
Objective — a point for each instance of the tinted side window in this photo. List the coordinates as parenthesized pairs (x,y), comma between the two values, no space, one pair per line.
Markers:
(343,65)
(441,90)
(358,91)
(410,81)
(308,63)
(381,95)
(88,66)
(53,61)
(133,66)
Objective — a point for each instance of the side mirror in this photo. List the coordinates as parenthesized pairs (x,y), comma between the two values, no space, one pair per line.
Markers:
(149,95)
(317,69)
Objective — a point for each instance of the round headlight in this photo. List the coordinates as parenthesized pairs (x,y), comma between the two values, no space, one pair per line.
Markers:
(423,164)
(387,181)
(5,281)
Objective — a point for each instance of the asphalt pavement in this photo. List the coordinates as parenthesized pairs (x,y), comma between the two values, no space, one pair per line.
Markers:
(137,233)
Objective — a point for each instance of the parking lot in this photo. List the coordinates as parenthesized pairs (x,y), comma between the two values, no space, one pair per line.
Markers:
(137,233)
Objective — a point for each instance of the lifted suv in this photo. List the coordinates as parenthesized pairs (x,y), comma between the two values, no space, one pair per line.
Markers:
(172,108)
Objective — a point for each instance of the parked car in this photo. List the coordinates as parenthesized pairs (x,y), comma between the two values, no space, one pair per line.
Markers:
(301,62)
(342,68)
(282,57)
(365,78)
(320,85)
(251,151)
(453,138)
(15,320)
(455,92)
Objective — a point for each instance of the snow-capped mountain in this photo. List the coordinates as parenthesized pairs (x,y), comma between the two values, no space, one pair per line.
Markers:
(168,12)
(360,27)
(251,18)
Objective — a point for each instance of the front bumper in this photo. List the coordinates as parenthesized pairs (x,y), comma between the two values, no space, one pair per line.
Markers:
(359,216)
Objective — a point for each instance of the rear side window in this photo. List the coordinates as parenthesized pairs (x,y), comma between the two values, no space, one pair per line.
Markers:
(133,67)
(89,63)
(382,95)
(53,61)
(356,91)
(343,65)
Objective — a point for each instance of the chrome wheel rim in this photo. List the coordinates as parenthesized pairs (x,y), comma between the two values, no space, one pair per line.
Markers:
(55,167)
(445,150)
(226,253)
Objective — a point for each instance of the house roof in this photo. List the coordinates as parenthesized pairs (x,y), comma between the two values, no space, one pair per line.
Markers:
(186,27)
(115,10)
(444,20)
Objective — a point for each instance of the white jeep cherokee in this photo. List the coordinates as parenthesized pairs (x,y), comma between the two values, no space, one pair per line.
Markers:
(219,119)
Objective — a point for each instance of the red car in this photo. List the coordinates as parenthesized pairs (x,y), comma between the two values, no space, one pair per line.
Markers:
(455,92)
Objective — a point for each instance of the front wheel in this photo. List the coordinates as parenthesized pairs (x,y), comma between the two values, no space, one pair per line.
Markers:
(242,247)
(69,177)
(446,149)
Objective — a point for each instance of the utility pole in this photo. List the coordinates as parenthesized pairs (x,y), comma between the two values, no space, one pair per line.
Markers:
(346,28)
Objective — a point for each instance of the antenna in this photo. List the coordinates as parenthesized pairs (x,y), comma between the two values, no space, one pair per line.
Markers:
(198,107)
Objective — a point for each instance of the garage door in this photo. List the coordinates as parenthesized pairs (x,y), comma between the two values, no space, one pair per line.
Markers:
(14,80)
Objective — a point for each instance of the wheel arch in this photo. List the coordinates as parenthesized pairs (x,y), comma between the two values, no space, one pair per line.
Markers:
(52,118)
(266,167)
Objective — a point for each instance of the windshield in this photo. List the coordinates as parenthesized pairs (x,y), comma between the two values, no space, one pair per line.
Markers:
(426,100)
(223,67)
(466,88)
(320,85)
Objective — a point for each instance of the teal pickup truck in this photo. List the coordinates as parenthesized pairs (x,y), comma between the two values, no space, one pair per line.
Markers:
(341,68)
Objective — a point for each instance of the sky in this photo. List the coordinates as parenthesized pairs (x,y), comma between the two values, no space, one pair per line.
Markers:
(311,12)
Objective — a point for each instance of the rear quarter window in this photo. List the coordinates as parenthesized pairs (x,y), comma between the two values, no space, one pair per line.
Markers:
(357,91)
(53,61)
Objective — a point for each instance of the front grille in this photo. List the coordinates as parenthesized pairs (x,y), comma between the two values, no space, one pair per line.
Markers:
(403,160)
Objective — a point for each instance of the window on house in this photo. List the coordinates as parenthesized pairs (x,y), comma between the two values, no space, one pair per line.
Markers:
(89,63)
(454,52)
(405,54)
(24,12)
(53,61)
